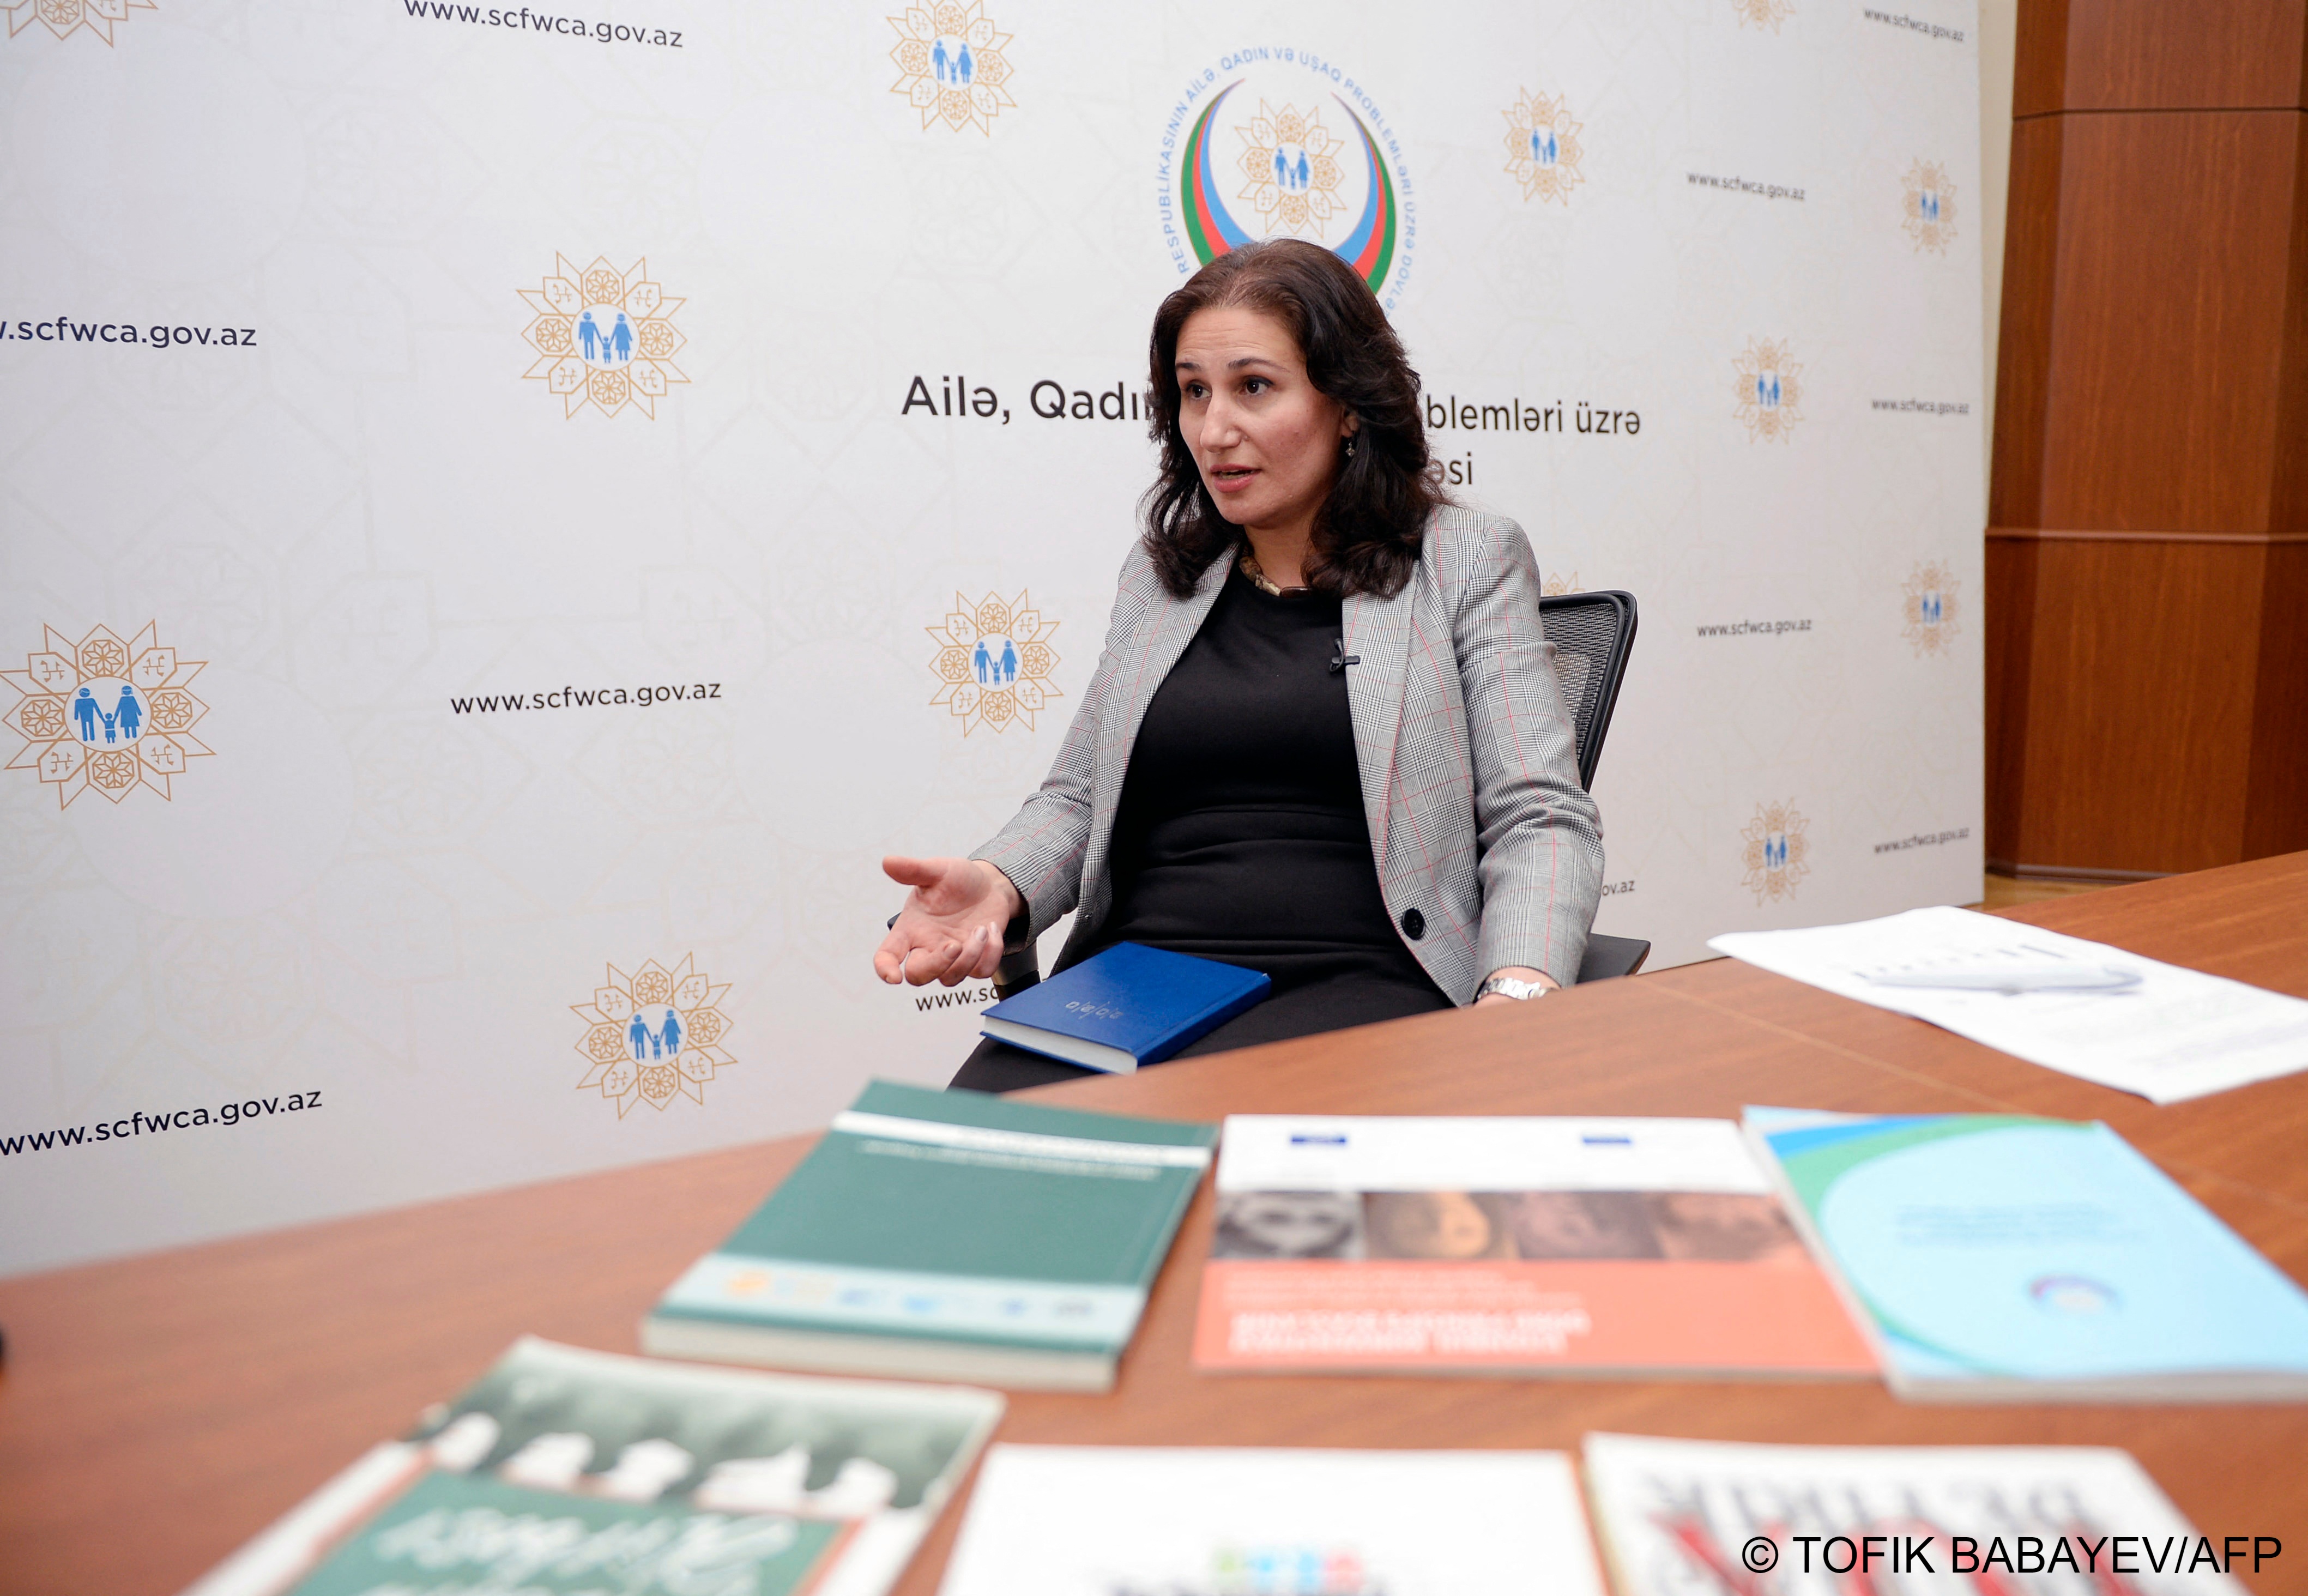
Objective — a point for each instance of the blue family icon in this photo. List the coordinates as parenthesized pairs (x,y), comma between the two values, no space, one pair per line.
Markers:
(605,336)
(1293,173)
(1775,851)
(1927,204)
(951,62)
(996,666)
(1931,608)
(1543,149)
(663,1042)
(124,722)
(1767,389)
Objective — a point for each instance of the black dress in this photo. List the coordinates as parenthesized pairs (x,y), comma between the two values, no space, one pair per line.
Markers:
(1241,836)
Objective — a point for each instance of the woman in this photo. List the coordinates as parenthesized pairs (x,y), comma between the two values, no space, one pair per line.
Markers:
(1325,739)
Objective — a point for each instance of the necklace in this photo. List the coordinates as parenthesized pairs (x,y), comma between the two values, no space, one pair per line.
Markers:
(1248,566)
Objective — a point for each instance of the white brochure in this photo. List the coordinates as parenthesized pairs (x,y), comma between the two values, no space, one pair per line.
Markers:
(2081,1007)
(1197,1521)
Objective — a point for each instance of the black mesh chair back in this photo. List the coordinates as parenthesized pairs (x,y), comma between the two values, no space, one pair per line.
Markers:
(1593,634)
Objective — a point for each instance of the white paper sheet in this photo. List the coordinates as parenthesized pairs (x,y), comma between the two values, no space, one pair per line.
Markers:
(1159,1521)
(2178,1034)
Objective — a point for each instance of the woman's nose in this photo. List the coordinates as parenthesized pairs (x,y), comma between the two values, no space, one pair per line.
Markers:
(1221,427)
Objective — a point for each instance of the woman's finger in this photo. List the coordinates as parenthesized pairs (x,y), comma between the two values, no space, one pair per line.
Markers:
(964,960)
(890,957)
(908,871)
(924,960)
(989,961)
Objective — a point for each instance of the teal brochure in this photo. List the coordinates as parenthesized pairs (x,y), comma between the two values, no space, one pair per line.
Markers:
(947,1235)
(2003,1256)
(565,1472)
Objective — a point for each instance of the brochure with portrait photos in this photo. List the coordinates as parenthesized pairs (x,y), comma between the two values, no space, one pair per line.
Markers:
(1706,1518)
(1529,1246)
(564,1471)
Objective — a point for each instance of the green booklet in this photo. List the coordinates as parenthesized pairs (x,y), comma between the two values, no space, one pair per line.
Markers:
(564,1473)
(948,1235)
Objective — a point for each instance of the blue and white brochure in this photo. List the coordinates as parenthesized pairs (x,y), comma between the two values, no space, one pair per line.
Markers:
(2000,1256)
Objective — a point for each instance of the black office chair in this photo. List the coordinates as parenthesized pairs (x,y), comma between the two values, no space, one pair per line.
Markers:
(1593,634)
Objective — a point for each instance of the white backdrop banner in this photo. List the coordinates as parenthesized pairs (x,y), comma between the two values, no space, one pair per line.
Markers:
(509,515)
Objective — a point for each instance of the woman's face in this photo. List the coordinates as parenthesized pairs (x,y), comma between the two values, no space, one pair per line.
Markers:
(1266,439)
(1293,1224)
(1430,1225)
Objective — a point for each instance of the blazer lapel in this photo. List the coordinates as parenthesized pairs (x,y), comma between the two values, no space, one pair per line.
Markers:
(1378,634)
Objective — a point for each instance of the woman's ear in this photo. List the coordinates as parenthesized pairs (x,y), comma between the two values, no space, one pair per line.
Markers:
(1349,424)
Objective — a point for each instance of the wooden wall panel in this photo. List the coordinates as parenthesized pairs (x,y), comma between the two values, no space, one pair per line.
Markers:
(2275,817)
(2159,55)
(2288,499)
(2011,611)
(2031,238)
(2138,738)
(2168,309)
(2039,63)
(2146,594)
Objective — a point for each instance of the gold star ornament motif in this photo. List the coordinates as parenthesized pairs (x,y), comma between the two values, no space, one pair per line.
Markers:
(953,65)
(654,1035)
(603,338)
(105,716)
(1764,13)
(1543,148)
(1777,853)
(1769,390)
(1927,207)
(1292,163)
(994,662)
(64,18)
(1929,607)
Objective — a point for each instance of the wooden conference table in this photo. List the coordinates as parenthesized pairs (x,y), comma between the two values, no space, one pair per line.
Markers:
(157,1411)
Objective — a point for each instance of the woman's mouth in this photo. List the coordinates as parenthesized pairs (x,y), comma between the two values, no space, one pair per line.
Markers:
(1232,478)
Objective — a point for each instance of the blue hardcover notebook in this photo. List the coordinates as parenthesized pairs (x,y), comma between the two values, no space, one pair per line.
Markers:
(1995,1255)
(1129,1006)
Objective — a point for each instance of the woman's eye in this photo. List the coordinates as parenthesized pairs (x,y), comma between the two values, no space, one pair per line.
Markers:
(1256,385)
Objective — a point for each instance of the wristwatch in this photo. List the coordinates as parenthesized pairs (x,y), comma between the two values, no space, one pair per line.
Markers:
(1508,986)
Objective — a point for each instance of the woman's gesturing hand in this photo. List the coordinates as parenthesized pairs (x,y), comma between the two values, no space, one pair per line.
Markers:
(951,928)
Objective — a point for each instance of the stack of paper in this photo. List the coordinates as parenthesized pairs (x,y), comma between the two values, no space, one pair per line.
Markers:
(2081,1007)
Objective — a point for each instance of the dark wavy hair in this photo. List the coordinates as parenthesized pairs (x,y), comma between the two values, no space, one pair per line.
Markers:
(1367,532)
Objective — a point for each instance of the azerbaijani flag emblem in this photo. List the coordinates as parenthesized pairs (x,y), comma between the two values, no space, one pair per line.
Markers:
(1296,169)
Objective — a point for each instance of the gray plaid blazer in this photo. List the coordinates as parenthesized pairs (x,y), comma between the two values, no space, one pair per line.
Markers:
(1470,780)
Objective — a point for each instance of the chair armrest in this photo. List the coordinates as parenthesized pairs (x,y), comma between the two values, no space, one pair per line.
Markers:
(1609,957)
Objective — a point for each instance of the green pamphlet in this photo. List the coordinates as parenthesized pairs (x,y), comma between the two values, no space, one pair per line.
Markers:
(948,1235)
(563,1472)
